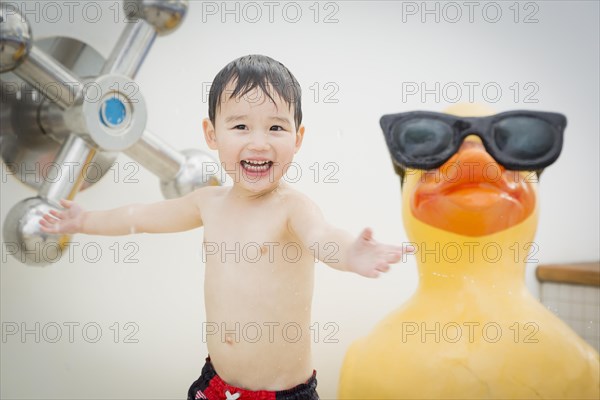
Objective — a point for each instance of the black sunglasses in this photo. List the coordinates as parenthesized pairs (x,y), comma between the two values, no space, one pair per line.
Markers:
(517,140)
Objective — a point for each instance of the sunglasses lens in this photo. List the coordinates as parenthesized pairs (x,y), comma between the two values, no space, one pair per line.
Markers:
(524,137)
(420,139)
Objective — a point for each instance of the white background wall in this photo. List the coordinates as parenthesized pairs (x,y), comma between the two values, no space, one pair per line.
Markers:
(367,54)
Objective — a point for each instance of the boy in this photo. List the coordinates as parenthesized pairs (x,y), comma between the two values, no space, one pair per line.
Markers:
(255,124)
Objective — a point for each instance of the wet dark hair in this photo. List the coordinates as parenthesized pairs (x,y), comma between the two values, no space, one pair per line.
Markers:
(253,71)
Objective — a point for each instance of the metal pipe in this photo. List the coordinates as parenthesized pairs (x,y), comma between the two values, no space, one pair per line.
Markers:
(157,156)
(130,51)
(51,120)
(50,78)
(71,161)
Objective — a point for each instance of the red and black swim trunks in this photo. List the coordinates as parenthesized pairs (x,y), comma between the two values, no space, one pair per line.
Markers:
(210,386)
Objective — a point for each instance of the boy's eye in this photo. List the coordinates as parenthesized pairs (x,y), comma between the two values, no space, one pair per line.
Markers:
(277,128)
(240,127)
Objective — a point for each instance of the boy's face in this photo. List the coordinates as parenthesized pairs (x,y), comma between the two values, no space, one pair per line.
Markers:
(256,138)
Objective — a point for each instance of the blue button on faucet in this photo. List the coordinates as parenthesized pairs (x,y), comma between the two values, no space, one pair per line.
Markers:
(113,112)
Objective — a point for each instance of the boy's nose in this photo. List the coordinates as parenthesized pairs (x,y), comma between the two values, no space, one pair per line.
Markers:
(259,140)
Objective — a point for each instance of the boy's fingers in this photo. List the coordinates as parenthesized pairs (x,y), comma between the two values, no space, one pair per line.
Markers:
(394,257)
(66,203)
(44,227)
(395,249)
(48,218)
(409,248)
(56,213)
(383,267)
(398,249)
(367,234)
(373,274)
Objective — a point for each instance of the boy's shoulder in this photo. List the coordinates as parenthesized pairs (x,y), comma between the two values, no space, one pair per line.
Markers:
(284,194)
(209,192)
(292,194)
(297,200)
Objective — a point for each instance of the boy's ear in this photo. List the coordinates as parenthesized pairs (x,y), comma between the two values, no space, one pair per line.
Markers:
(299,138)
(209,134)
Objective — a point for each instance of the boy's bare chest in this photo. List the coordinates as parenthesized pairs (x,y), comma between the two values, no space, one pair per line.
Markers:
(244,225)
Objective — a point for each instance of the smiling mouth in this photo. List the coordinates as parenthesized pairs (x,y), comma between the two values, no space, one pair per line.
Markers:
(256,165)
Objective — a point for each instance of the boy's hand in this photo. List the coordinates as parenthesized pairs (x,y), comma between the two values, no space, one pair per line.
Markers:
(63,222)
(368,258)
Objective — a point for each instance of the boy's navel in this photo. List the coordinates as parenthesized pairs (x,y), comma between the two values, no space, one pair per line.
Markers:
(228,338)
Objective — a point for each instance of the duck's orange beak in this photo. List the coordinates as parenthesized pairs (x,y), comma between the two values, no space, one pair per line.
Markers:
(472,195)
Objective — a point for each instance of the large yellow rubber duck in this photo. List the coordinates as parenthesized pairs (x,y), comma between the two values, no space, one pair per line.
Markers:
(472,330)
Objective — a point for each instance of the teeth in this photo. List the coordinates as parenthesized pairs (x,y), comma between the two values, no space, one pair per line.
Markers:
(256,162)
(256,166)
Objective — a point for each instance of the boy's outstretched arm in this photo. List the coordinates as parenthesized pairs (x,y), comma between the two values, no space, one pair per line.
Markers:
(337,248)
(174,215)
